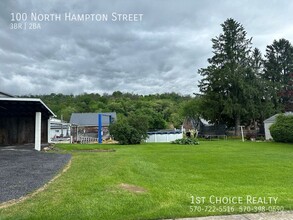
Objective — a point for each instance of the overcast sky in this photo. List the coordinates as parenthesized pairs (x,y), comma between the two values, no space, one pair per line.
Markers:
(160,52)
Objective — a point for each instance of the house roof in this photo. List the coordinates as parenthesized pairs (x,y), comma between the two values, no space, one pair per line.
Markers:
(2,94)
(23,106)
(205,122)
(273,118)
(91,119)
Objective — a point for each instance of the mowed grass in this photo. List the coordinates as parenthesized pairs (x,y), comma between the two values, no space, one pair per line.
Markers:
(169,174)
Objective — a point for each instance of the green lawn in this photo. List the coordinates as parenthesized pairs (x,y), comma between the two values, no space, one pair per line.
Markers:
(170,176)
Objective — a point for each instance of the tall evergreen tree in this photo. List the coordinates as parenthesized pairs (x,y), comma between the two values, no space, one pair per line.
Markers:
(225,84)
(287,94)
(277,69)
(257,62)
(260,106)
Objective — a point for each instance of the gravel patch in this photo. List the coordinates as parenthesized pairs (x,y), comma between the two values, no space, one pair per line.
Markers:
(23,171)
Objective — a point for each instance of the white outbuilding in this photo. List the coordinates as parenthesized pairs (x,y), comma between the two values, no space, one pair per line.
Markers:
(268,122)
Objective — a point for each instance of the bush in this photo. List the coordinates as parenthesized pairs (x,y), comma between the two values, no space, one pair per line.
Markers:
(131,130)
(250,136)
(186,141)
(282,129)
(260,138)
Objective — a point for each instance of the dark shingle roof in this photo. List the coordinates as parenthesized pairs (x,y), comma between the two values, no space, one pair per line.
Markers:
(91,119)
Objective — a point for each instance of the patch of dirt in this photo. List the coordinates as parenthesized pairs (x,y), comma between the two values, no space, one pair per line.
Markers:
(52,147)
(132,188)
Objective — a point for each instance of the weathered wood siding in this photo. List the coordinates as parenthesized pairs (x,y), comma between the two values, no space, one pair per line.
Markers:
(20,130)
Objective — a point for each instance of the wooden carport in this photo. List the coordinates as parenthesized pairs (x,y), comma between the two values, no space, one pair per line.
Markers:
(23,121)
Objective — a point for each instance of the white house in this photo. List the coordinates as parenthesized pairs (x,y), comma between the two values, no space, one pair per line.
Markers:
(268,122)
(59,130)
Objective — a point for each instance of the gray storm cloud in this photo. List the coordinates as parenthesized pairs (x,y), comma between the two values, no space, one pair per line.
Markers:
(161,53)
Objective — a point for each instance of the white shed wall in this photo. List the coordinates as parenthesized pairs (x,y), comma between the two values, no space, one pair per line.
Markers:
(267,131)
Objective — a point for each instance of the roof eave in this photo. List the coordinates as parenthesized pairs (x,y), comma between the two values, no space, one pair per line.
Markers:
(29,100)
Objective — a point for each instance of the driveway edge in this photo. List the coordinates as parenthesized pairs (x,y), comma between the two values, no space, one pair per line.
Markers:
(23,198)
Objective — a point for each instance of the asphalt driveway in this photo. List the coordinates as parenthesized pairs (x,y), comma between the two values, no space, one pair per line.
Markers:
(23,170)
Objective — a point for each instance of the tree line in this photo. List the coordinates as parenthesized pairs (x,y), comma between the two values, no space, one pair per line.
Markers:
(161,110)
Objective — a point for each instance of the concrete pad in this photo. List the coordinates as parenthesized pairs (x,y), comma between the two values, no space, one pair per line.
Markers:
(270,216)
(224,217)
(285,215)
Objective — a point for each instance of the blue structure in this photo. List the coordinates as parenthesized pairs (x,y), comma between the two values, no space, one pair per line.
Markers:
(100,126)
(100,139)
(91,124)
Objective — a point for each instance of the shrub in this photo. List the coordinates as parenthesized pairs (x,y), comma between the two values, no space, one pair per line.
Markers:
(260,138)
(186,141)
(250,136)
(282,129)
(131,130)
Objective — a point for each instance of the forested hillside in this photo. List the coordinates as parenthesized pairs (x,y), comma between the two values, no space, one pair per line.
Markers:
(163,110)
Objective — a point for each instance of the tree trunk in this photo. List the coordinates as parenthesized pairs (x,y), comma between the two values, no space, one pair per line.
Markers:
(237,125)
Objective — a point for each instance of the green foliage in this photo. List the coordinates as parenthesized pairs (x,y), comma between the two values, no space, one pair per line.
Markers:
(277,69)
(239,86)
(155,119)
(192,108)
(282,129)
(186,141)
(228,77)
(130,130)
(162,110)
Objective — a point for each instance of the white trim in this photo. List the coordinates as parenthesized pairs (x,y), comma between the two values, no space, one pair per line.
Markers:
(38,131)
(49,129)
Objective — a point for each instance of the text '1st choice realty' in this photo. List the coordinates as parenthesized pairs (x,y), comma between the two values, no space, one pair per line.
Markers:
(231,204)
